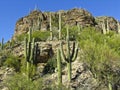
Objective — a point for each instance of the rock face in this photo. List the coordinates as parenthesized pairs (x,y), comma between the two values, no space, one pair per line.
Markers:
(82,78)
(78,16)
(111,22)
(36,19)
(40,20)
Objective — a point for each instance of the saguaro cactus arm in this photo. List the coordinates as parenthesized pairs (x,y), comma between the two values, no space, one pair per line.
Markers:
(62,52)
(75,53)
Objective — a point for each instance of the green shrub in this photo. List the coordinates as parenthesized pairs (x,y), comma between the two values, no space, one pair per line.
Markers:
(21,37)
(50,66)
(41,35)
(12,61)
(73,31)
(100,53)
(20,82)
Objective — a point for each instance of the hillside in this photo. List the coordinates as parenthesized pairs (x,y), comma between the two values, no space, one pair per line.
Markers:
(64,50)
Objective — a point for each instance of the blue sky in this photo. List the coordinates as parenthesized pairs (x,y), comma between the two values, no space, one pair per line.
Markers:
(12,10)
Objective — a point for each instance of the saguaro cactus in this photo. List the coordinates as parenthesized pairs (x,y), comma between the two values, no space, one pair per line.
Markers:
(60,25)
(118,27)
(70,57)
(51,32)
(108,28)
(2,44)
(59,67)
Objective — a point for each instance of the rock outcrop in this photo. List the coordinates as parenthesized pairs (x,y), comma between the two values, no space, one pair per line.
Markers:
(112,22)
(40,20)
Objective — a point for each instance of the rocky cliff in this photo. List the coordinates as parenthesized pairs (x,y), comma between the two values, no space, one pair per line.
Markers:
(40,20)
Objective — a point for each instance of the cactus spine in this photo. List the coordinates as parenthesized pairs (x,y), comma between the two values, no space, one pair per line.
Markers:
(59,25)
(69,58)
(59,67)
(29,52)
(51,32)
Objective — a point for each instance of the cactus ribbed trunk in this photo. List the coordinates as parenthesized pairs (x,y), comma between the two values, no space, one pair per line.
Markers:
(59,68)
(69,70)
(28,70)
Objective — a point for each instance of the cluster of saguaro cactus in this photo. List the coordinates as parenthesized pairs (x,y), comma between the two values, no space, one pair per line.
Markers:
(70,57)
(105,27)
(30,54)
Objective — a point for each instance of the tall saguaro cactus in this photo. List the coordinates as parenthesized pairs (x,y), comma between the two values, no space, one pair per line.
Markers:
(108,28)
(118,27)
(70,57)
(51,32)
(2,44)
(59,67)
(30,52)
(60,25)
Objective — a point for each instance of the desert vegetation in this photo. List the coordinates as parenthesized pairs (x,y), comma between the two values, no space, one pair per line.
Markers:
(98,49)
